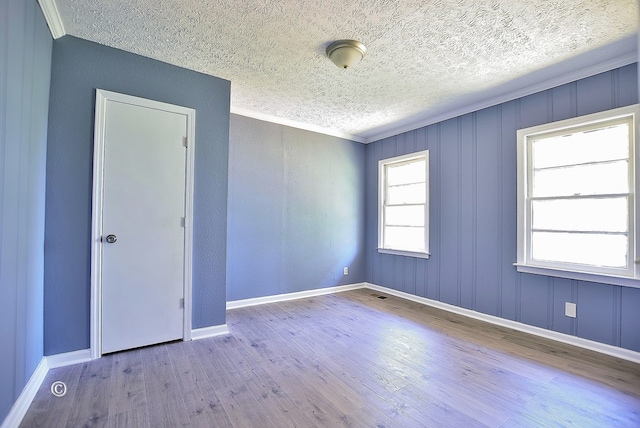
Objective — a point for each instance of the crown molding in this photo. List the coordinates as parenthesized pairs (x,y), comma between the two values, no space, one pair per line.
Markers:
(293,124)
(52,16)
(605,58)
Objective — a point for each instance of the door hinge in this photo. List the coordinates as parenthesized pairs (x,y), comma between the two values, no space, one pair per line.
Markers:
(185,141)
(182,302)
(183,222)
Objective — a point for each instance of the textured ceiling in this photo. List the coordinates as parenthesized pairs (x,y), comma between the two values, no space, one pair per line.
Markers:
(420,54)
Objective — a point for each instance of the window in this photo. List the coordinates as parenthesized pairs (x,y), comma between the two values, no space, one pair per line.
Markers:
(577,211)
(403,212)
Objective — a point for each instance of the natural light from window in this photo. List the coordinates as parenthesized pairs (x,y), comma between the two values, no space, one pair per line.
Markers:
(580,197)
(404,203)
(576,192)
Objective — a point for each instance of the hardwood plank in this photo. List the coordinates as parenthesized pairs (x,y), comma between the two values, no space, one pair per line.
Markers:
(134,418)
(345,393)
(256,324)
(91,406)
(277,405)
(46,410)
(570,401)
(353,360)
(224,365)
(309,401)
(493,338)
(127,387)
(201,402)
(433,410)
(208,410)
(243,408)
(165,404)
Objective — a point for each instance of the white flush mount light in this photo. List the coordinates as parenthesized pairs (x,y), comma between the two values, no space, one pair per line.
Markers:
(346,53)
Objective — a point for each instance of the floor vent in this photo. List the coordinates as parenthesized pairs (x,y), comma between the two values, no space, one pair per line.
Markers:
(378,296)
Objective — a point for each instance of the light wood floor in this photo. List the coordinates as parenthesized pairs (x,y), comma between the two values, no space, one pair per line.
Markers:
(348,359)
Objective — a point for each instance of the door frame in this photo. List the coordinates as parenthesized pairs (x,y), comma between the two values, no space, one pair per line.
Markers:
(102,98)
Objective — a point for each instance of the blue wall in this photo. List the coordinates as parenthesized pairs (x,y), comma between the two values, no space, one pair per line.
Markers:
(25,66)
(78,68)
(473,217)
(296,210)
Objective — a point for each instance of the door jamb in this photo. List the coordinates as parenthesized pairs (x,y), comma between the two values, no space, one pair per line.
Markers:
(102,98)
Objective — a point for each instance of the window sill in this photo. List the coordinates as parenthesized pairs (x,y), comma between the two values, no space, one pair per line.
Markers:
(404,253)
(624,281)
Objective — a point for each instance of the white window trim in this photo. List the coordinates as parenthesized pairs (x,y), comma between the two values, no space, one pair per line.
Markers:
(381,186)
(628,278)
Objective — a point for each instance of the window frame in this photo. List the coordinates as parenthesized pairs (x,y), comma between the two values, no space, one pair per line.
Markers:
(630,276)
(382,190)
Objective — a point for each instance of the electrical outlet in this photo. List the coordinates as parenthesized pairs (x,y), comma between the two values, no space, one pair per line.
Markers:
(346,271)
(570,309)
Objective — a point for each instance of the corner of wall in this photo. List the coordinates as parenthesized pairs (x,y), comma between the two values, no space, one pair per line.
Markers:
(20,407)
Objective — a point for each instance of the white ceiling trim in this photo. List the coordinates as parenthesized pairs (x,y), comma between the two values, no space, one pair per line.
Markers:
(580,67)
(294,124)
(52,16)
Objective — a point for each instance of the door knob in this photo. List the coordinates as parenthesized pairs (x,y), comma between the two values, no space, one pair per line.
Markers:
(111,239)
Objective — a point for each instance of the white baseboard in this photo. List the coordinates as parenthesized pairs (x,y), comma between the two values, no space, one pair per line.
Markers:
(20,407)
(234,304)
(615,351)
(205,332)
(68,358)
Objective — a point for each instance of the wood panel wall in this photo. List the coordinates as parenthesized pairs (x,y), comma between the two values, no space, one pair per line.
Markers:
(25,67)
(473,217)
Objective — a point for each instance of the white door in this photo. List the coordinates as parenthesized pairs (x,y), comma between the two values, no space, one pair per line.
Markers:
(143,234)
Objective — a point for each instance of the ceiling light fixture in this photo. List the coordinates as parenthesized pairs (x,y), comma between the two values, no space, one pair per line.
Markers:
(346,53)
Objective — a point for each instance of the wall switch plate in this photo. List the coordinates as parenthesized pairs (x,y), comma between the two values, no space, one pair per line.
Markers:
(570,309)
(346,271)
